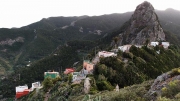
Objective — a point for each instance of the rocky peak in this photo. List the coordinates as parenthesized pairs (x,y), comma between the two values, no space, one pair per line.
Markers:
(143,25)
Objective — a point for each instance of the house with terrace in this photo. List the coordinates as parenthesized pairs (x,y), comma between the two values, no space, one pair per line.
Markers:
(106,54)
(69,70)
(88,66)
(164,44)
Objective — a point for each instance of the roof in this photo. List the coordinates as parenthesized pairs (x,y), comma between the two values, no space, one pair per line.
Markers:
(76,73)
(70,69)
(22,86)
(106,52)
(51,72)
(86,60)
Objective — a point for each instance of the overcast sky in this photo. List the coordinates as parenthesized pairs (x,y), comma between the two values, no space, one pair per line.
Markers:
(17,13)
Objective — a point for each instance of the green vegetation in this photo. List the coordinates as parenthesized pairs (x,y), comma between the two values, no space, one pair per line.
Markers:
(135,92)
(141,64)
(171,90)
(46,46)
(47,84)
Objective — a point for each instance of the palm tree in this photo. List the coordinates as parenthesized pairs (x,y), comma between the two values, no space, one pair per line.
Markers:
(116,39)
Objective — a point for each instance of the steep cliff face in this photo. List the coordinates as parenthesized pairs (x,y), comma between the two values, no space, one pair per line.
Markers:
(143,25)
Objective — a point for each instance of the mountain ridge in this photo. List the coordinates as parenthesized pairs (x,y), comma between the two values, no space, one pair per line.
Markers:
(93,28)
(50,45)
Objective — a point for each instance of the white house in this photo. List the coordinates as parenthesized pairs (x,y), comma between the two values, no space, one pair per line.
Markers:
(21,91)
(35,85)
(138,46)
(124,48)
(154,43)
(106,54)
(165,44)
(78,76)
(21,88)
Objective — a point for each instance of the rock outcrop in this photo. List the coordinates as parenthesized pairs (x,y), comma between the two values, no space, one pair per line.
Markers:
(143,25)
(87,85)
(161,82)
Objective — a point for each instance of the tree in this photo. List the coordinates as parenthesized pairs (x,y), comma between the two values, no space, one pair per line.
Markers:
(102,69)
(70,76)
(47,84)
(116,39)
(147,42)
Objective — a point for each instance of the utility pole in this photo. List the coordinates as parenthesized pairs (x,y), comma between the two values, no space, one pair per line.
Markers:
(19,76)
(95,52)
(61,69)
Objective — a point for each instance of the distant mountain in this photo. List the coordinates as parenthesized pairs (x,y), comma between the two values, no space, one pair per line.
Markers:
(170,20)
(84,24)
(43,37)
(59,41)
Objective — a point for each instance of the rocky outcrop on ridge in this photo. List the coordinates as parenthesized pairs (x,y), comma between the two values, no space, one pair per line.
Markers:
(143,25)
(161,82)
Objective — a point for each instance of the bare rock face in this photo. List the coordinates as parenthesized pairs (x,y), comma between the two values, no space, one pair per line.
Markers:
(87,85)
(159,83)
(143,25)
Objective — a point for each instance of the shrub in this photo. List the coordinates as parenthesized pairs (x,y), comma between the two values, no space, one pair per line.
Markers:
(70,76)
(128,55)
(93,90)
(47,83)
(104,85)
(172,89)
(177,96)
(127,96)
(163,99)
(102,69)
(75,85)
(175,71)
(101,77)
(56,80)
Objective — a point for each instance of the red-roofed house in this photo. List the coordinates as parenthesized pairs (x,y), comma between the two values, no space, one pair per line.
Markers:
(22,91)
(69,70)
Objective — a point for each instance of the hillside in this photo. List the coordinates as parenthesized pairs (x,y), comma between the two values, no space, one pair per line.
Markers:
(169,18)
(128,70)
(42,38)
(58,42)
(56,31)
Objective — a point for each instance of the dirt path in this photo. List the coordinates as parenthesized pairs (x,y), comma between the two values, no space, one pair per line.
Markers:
(47,95)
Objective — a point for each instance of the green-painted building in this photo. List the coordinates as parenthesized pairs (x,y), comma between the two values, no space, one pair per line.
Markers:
(51,74)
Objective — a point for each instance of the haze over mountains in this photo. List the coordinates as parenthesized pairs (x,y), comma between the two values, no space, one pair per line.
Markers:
(43,37)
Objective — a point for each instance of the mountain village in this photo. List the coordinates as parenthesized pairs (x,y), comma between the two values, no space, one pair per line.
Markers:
(88,67)
(132,56)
